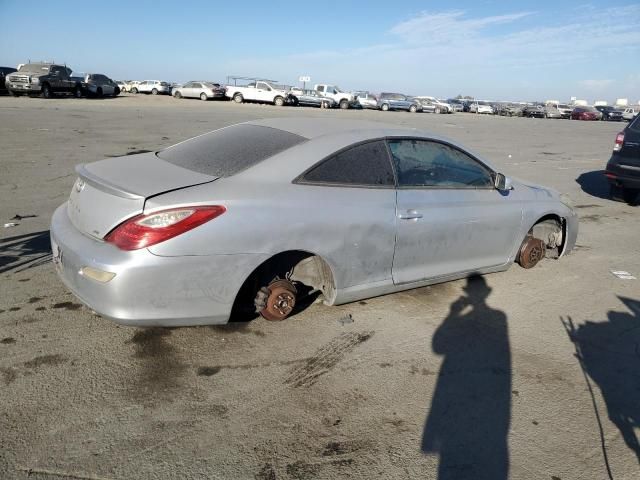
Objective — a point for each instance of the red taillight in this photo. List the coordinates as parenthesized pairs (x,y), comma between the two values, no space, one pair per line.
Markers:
(619,141)
(145,230)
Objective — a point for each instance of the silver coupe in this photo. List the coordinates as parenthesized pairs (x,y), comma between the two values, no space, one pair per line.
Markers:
(259,217)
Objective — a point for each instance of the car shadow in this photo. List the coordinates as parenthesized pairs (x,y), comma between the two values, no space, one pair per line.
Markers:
(609,353)
(594,184)
(469,418)
(26,251)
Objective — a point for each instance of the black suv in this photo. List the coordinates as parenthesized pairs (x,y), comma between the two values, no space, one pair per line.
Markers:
(610,113)
(623,168)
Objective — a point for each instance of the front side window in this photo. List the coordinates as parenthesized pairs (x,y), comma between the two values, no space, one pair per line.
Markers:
(366,164)
(421,163)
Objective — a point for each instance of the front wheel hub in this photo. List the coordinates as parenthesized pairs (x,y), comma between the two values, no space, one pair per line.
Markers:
(531,252)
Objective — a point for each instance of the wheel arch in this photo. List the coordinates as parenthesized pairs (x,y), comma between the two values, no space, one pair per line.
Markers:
(547,228)
(302,266)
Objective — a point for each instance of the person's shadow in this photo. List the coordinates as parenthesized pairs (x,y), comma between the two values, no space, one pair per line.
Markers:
(468,423)
(609,352)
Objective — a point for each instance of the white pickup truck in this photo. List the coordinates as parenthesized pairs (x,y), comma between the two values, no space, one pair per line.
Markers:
(257,91)
(343,99)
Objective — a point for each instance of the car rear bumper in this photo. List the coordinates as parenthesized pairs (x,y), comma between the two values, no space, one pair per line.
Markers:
(622,178)
(147,289)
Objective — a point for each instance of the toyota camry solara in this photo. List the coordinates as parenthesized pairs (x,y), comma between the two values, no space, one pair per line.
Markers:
(255,217)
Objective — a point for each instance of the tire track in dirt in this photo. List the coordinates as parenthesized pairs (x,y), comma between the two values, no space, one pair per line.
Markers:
(325,358)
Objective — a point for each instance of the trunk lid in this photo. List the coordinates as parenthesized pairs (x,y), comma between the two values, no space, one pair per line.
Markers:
(109,191)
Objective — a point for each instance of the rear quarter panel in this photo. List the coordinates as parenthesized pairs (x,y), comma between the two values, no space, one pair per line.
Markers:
(352,229)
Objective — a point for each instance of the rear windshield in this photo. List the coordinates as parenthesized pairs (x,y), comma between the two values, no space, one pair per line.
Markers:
(230,150)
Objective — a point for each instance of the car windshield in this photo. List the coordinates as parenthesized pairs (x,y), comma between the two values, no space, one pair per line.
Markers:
(34,68)
(230,150)
(338,89)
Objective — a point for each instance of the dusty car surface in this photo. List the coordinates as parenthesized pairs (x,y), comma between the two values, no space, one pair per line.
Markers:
(260,216)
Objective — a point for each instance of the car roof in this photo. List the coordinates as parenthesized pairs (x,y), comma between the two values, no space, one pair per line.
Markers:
(316,127)
(347,131)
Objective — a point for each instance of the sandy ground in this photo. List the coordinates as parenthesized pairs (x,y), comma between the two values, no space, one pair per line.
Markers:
(461,380)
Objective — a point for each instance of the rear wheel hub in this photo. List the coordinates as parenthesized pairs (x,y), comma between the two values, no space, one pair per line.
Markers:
(277,301)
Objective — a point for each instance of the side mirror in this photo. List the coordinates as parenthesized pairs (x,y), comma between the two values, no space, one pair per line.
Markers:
(502,183)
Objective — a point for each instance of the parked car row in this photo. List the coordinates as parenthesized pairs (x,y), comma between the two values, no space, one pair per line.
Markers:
(49,79)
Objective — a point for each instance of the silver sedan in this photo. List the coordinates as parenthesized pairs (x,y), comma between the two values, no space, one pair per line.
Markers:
(201,90)
(262,216)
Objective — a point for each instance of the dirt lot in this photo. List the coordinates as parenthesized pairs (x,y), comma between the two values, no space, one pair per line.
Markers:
(459,380)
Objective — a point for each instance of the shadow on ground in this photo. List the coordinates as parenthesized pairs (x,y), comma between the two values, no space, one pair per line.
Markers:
(24,251)
(609,353)
(470,412)
(594,183)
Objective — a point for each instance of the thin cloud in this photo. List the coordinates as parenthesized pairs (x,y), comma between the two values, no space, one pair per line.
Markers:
(447,26)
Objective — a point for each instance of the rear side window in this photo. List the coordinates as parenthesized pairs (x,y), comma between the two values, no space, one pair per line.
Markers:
(230,150)
(367,164)
(635,124)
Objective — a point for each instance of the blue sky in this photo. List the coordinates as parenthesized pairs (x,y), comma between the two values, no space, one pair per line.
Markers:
(530,50)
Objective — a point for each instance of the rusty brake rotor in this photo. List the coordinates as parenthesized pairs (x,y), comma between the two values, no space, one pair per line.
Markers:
(279,300)
(531,252)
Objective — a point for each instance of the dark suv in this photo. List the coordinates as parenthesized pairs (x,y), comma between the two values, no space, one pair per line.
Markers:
(398,101)
(610,113)
(623,168)
(4,71)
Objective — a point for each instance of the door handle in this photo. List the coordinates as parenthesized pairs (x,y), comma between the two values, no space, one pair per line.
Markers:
(409,215)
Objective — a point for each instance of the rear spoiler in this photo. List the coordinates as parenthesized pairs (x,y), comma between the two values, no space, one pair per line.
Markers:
(104,185)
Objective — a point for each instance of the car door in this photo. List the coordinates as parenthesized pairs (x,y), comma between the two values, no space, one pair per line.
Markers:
(197,89)
(451,219)
(55,78)
(314,98)
(263,92)
(357,221)
(106,84)
(187,90)
(403,102)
